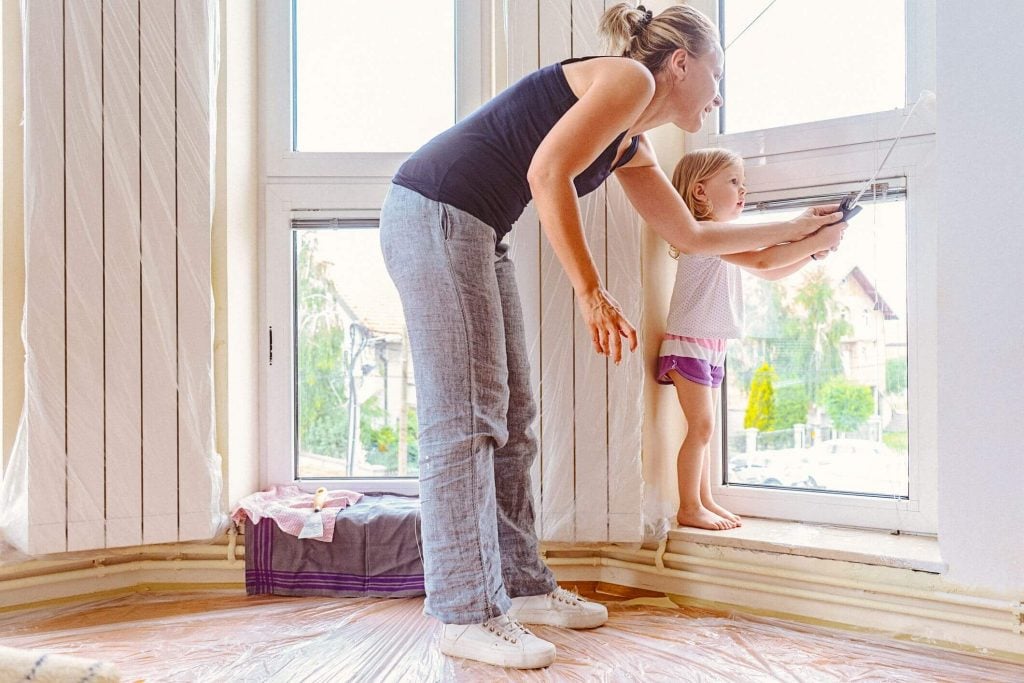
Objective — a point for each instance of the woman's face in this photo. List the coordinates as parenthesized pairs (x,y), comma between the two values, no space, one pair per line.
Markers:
(725,191)
(697,88)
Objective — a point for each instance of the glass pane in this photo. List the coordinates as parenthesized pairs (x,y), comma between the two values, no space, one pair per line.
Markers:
(806,60)
(355,402)
(816,391)
(368,80)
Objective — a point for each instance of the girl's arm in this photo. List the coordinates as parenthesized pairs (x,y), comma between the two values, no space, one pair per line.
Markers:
(780,260)
(660,205)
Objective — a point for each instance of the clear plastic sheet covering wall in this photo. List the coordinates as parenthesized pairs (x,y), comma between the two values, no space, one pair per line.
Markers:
(587,480)
(116,441)
(215,637)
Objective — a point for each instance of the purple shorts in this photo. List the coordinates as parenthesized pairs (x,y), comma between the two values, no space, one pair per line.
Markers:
(699,360)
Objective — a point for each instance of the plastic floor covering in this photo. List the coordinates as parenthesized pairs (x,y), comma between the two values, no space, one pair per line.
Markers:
(226,636)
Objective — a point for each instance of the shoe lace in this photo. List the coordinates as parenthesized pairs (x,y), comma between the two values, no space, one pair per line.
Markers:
(508,628)
(568,597)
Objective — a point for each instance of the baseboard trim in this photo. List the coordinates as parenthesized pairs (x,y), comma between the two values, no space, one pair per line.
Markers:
(48,581)
(896,603)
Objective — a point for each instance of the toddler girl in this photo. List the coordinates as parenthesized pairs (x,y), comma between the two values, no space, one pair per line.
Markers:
(706,310)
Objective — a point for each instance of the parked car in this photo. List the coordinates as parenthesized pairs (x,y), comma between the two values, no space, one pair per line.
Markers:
(841,465)
(789,467)
(861,466)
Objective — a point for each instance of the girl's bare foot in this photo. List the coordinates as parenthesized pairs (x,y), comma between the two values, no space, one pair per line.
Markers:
(714,507)
(702,518)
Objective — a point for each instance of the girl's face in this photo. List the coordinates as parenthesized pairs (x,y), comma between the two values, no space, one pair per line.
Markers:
(696,88)
(725,192)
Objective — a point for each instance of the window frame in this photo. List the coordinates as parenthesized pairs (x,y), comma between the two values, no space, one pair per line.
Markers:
(472,86)
(791,160)
(324,185)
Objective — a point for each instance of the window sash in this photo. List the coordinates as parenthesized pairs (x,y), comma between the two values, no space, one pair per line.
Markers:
(785,181)
(472,88)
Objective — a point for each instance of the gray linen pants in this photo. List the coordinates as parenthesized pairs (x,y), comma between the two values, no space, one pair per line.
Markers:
(476,444)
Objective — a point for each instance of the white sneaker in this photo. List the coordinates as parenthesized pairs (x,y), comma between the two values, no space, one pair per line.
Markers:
(559,608)
(501,641)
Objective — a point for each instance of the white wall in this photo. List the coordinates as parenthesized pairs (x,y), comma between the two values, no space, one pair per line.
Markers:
(235,253)
(981,307)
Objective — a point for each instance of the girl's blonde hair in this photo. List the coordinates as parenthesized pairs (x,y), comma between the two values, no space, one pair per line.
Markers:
(635,32)
(695,167)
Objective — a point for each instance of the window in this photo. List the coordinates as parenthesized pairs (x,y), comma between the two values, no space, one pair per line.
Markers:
(845,348)
(355,408)
(828,409)
(814,402)
(348,90)
(338,398)
(340,104)
(793,61)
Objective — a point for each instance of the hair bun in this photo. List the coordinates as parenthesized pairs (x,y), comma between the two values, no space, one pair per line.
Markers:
(645,21)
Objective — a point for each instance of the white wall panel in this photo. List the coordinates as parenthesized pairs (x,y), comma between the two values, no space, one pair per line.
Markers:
(556,393)
(525,238)
(590,370)
(588,480)
(83,67)
(122,272)
(115,447)
(159,274)
(43,428)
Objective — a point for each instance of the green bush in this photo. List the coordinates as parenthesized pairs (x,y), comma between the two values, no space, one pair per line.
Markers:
(791,406)
(897,441)
(849,405)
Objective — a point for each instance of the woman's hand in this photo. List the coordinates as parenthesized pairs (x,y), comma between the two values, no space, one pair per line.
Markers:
(814,219)
(606,323)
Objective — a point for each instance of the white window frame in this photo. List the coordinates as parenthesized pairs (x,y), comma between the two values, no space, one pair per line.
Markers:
(798,160)
(472,86)
(324,185)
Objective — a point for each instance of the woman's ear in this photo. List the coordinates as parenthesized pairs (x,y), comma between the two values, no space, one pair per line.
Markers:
(700,192)
(679,63)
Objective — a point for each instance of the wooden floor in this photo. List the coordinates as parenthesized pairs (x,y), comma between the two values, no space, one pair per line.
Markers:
(226,636)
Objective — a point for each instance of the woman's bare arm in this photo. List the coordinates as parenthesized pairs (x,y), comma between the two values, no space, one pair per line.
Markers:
(660,205)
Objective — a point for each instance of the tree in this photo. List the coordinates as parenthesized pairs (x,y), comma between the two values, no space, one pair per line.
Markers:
(380,439)
(816,325)
(896,376)
(849,405)
(322,358)
(761,404)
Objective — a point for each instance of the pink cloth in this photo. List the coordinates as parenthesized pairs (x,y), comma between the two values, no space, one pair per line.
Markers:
(290,507)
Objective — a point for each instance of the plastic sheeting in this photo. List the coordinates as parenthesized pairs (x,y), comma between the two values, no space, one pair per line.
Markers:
(225,637)
(116,441)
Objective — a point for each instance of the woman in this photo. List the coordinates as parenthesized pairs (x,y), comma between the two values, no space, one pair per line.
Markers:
(554,136)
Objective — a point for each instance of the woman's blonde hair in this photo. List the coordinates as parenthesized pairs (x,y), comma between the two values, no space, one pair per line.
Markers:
(635,32)
(695,167)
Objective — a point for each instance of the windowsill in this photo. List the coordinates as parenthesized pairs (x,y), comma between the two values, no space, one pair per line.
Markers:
(864,546)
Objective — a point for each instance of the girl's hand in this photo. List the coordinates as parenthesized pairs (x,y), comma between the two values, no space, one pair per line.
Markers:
(606,323)
(814,219)
(831,236)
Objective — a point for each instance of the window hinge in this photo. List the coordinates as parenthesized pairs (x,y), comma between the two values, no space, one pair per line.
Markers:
(270,332)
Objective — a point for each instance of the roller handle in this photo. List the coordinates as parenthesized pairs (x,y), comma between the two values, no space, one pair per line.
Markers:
(319,498)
